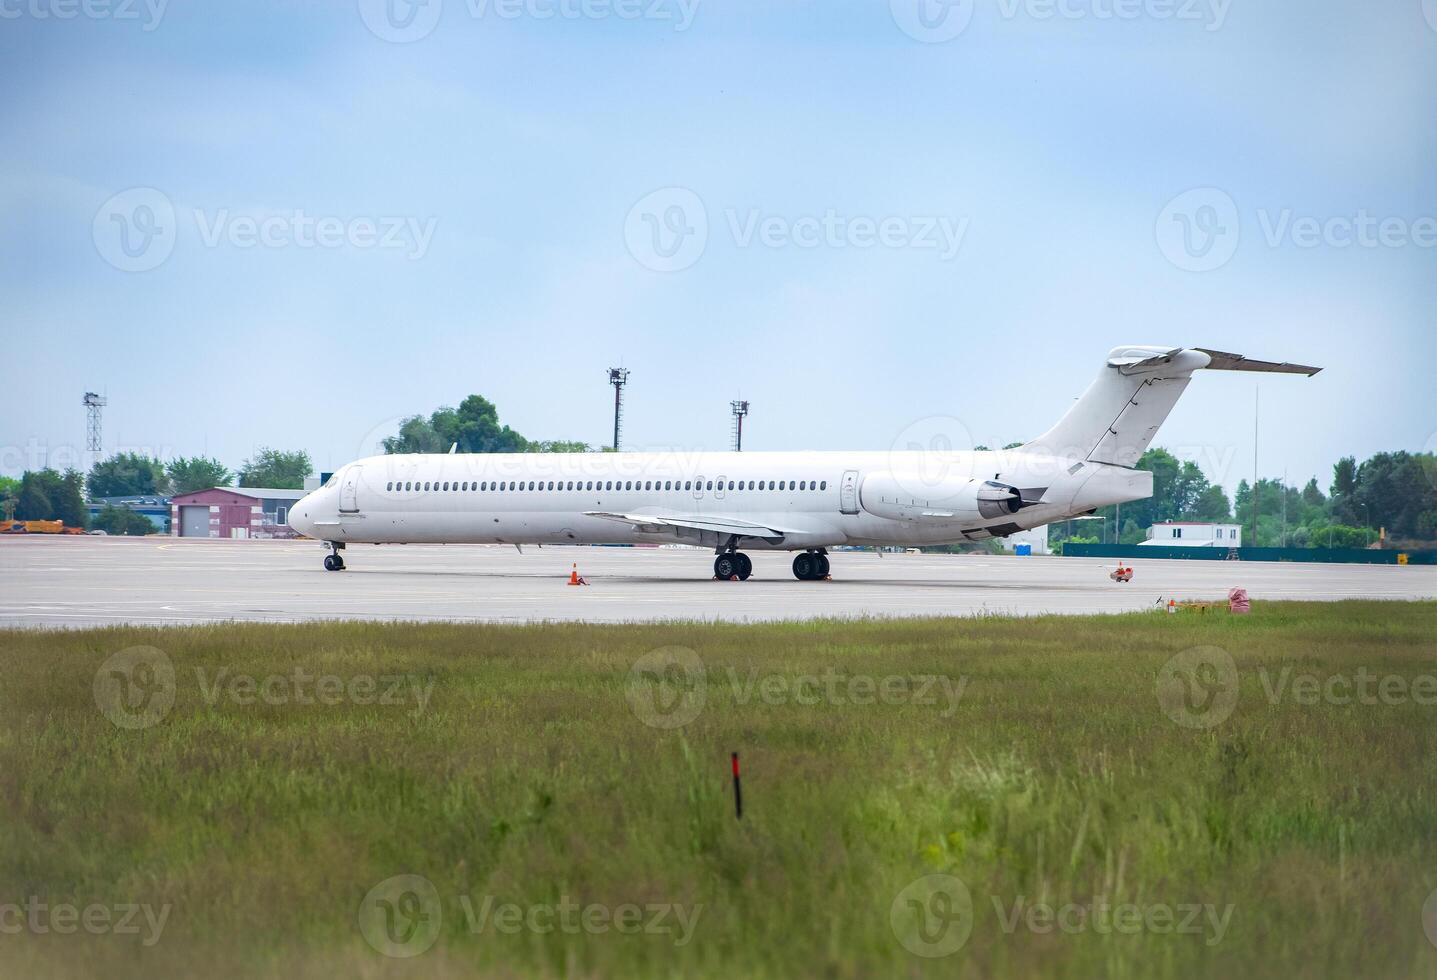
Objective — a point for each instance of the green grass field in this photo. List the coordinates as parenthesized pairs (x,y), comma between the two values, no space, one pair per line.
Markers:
(241,800)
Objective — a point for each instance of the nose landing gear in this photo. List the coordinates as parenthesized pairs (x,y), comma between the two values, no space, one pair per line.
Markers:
(334,561)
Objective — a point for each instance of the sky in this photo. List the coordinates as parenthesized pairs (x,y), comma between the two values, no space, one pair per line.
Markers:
(291,224)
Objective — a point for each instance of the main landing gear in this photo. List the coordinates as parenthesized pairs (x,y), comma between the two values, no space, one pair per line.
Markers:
(334,561)
(810,566)
(733,564)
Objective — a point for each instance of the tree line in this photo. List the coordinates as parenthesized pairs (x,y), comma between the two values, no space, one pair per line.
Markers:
(1394,492)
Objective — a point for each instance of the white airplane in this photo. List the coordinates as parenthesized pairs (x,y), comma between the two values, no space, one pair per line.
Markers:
(773,501)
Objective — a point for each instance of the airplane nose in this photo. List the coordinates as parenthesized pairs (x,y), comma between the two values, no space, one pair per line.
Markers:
(300,516)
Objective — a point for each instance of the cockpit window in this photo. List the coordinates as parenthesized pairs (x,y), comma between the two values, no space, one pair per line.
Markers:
(333,479)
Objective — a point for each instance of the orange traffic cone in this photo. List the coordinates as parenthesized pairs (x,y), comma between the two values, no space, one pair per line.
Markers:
(574,578)
(1172,606)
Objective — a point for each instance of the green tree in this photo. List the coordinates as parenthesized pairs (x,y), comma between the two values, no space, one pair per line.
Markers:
(9,496)
(46,495)
(276,468)
(127,475)
(122,520)
(33,503)
(197,473)
(474,427)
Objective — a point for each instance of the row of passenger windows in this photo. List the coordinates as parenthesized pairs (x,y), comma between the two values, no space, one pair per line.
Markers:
(466,486)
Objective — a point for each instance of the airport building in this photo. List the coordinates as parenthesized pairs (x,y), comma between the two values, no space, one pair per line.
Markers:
(1195,534)
(233,512)
(154,508)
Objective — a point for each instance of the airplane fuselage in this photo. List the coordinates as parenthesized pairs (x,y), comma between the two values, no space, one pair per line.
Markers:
(761,500)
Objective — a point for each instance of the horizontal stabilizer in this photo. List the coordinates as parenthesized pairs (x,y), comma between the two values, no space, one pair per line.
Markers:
(1223,361)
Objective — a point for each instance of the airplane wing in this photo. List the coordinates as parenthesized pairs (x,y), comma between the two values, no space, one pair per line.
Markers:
(719,524)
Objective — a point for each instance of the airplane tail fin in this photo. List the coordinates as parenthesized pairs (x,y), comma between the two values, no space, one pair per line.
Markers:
(1117,417)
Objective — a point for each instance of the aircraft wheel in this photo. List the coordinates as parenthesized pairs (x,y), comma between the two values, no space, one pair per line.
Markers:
(745,566)
(726,566)
(822,566)
(805,568)
(332,563)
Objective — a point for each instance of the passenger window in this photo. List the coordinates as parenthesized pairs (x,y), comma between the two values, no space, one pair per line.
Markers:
(823,485)
(710,485)
(389,486)
(782,484)
(688,484)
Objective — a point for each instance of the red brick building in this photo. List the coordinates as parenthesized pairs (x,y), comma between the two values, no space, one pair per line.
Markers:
(238,512)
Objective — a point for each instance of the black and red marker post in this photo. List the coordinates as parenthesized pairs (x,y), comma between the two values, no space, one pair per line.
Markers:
(737,790)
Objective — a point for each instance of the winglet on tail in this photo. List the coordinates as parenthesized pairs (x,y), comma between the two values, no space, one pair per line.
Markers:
(1117,417)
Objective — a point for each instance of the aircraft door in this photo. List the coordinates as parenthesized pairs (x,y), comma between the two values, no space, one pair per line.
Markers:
(718,488)
(848,493)
(349,491)
(699,488)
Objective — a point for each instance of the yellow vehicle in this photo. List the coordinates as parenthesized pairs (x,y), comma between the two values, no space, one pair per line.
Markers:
(33,527)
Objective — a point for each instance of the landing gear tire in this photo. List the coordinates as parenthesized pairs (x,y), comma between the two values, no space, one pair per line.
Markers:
(733,565)
(333,563)
(810,566)
(822,565)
